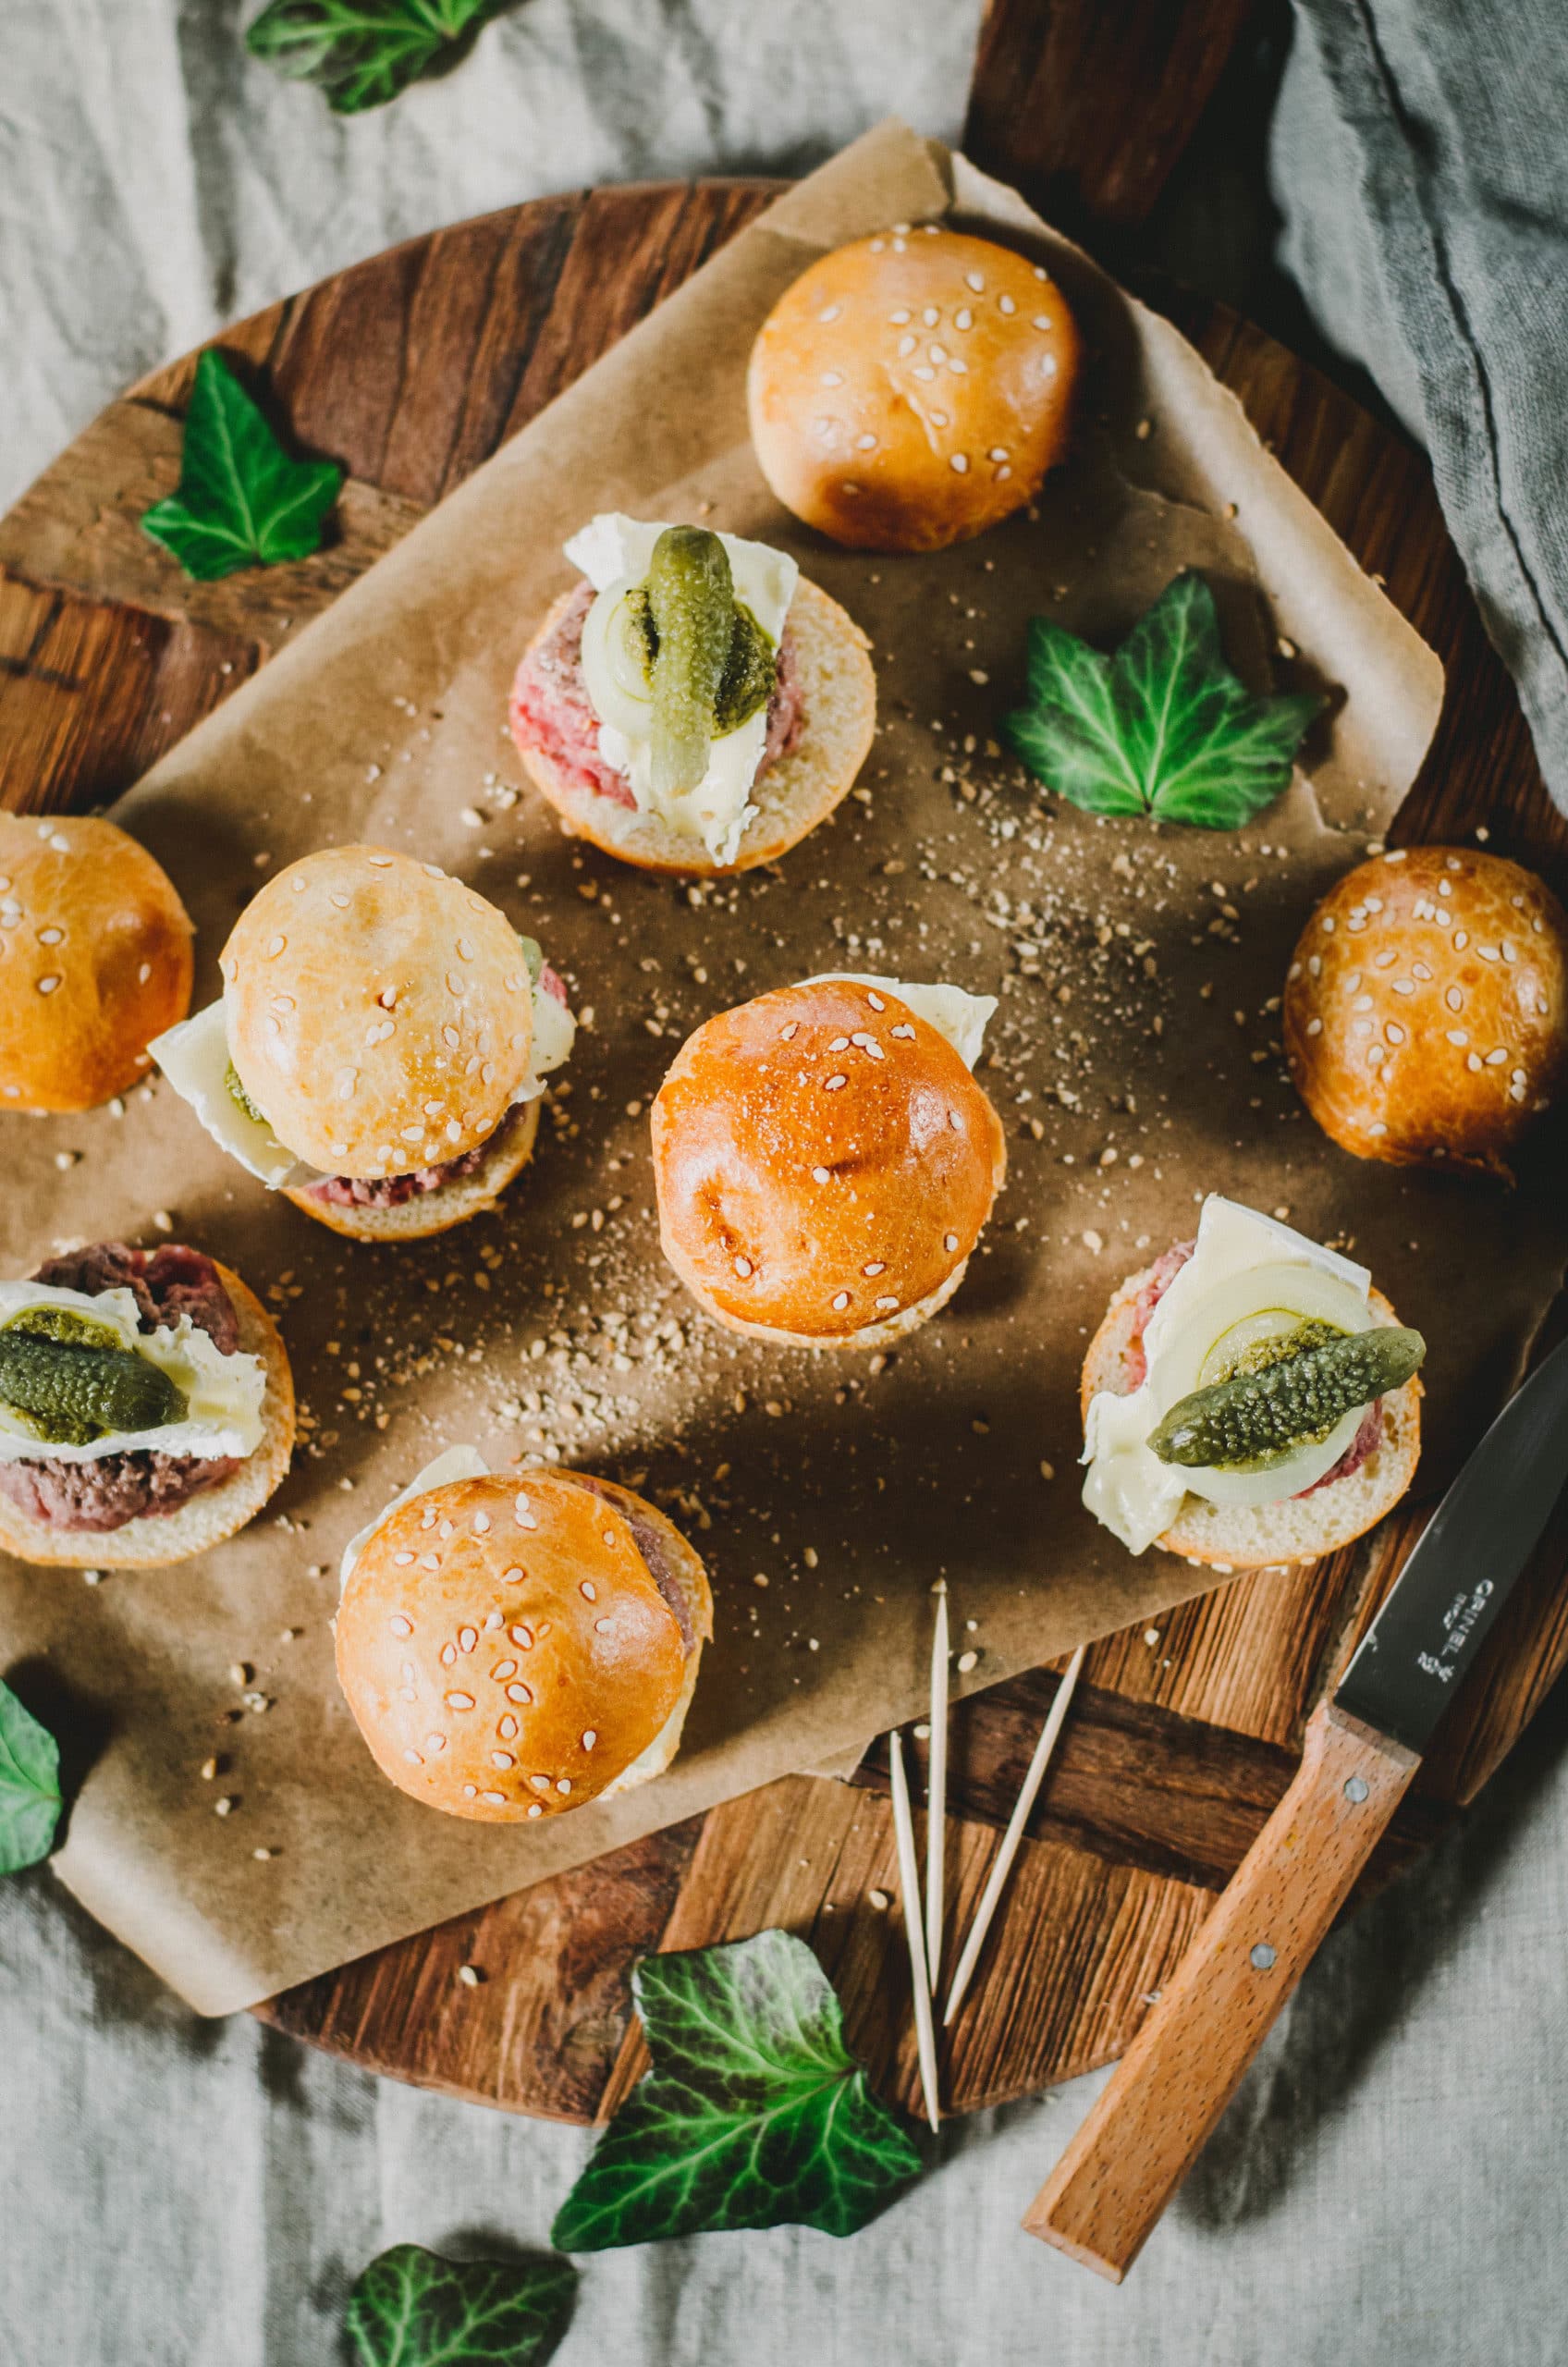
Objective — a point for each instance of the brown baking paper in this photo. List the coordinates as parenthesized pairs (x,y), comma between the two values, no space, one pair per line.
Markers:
(827,1494)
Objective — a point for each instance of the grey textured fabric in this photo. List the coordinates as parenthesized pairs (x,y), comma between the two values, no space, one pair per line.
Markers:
(1390,2185)
(1420,160)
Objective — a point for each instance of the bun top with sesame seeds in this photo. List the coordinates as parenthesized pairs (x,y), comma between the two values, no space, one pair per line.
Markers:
(379,1012)
(95,961)
(514,1644)
(910,390)
(1426,1009)
(824,1164)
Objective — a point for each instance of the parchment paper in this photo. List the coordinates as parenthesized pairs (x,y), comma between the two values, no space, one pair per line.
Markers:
(1134,1058)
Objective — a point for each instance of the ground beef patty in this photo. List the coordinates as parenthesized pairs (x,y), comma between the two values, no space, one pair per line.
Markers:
(551,710)
(105,1493)
(1162,1274)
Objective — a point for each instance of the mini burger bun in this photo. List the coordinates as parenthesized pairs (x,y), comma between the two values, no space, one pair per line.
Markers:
(155,1539)
(379,1012)
(838,713)
(1299,1528)
(911,390)
(449,1204)
(96,960)
(1426,1013)
(804,1196)
(546,1664)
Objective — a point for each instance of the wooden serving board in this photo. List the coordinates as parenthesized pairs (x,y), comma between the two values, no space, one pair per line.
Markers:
(412,368)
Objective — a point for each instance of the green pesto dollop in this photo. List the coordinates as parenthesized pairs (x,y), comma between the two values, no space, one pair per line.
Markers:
(709,664)
(69,1382)
(241,1098)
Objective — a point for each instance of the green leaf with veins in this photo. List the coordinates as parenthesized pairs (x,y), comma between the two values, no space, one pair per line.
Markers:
(1163,726)
(242,500)
(754,2114)
(361,52)
(415,2308)
(30,1786)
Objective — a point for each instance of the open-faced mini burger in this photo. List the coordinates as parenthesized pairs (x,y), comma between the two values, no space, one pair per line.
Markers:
(146,1408)
(516,1643)
(1425,1014)
(911,390)
(380,1048)
(696,705)
(94,961)
(1249,1398)
(824,1161)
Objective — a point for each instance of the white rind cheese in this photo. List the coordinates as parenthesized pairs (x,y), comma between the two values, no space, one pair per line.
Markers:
(223,1393)
(962,1017)
(615,553)
(1245,1266)
(454,1463)
(196,1060)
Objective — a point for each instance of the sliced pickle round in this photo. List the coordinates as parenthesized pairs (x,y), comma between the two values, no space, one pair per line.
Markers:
(1258,1416)
(71,1382)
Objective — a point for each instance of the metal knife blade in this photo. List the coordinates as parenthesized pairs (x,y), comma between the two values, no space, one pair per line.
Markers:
(1424,1640)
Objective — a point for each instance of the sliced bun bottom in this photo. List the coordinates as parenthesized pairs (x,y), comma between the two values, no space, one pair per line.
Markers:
(156,1538)
(1298,1529)
(839,707)
(449,1204)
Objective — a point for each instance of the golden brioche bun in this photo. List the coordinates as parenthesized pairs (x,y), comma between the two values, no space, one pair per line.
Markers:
(824,1164)
(379,1012)
(505,1158)
(1426,1013)
(912,389)
(838,710)
(1298,1529)
(507,1651)
(156,1538)
(96,960)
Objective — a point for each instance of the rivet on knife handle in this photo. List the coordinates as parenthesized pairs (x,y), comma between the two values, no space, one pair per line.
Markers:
(1150,2123)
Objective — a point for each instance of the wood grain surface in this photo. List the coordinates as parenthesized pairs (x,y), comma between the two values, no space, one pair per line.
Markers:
(410,368)
(1149,2122)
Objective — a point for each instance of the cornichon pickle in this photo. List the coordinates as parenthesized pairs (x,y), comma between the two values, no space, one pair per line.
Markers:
(71,1382)
(533,954)
(238,1094)
(1256,1416)
(711,665)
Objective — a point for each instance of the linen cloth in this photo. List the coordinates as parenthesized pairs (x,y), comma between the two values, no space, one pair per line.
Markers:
(1390,2183)
(1421,162)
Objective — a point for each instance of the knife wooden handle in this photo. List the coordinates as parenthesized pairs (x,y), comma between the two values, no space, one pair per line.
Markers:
(1150,2123)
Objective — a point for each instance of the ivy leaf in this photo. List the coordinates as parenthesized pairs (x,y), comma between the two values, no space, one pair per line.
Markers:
(753,2115)
(413,2308)
(1163,726)
(242,500)
(30,1786)
(361,52)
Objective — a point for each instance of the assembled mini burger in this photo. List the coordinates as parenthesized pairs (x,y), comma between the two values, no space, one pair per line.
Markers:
(824,1161)
(696,705)
(516,1643)
(94,961)
(381,1044)
(1249,1398)
(146,1408)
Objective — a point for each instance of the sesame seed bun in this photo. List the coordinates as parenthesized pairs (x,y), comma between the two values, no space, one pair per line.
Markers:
(96,960)
(1427,1007)
(379,1012)
(839,705)
(449,1204)
(911,390)
(156,1538)
(1298,1529)
(824,1164)
(515,1646)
